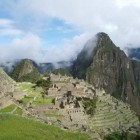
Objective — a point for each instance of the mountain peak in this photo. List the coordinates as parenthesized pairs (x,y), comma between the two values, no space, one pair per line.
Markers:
(101,42)
(102,34)
(103,39)
(109,68)
(26,71)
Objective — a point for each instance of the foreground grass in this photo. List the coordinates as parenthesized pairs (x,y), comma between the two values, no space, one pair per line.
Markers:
(17,128)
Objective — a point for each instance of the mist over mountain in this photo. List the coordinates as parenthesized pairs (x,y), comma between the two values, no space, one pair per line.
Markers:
(9,67)
(43,67)
(134,53)
(108,67)
(84,59)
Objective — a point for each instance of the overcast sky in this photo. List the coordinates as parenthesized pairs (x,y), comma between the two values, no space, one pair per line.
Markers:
(55,30)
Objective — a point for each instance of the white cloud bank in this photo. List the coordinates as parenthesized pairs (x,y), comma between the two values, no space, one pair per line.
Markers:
(7,28)
(119,18)
(30,46)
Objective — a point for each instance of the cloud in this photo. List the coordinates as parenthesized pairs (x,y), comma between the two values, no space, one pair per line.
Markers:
(24,47)
(124,3)
(69,49)
(118,18)
(5,22)
(7,28)
(30,46)
(5,32)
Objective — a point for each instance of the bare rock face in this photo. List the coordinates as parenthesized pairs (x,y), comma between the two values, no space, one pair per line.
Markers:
(6,83)
(109,68)
(26,71)
(27,68)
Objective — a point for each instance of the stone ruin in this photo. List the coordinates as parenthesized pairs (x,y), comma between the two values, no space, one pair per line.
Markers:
(78,87)
(59,78)
(72,109)
(66,92)
(67,101)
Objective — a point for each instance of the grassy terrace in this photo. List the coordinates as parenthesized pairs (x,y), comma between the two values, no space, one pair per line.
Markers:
(17,128)
(14,108)
(27,99)
(8,109)
(18,111)
(103,118)
(43,101)
(28,87)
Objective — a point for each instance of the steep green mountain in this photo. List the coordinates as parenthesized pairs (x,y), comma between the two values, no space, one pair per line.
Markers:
(26,71)
(108,67)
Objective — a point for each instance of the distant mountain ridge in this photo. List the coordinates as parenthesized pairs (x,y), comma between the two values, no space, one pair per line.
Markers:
(108,67)
(25,71)
(134,53)
(9,66)
(44,67)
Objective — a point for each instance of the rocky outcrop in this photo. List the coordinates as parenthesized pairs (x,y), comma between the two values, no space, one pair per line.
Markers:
(26,71)
(109,68)
(6,83)
(84,60)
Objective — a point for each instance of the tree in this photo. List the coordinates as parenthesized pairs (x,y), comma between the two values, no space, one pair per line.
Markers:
(90,105)
(45,86)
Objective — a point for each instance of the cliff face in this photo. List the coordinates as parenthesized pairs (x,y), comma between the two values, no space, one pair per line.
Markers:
(111,69)
(26,71)
(84,60)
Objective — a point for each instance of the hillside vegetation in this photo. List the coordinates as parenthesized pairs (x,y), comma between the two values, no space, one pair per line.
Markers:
(25,71)
(17,128)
